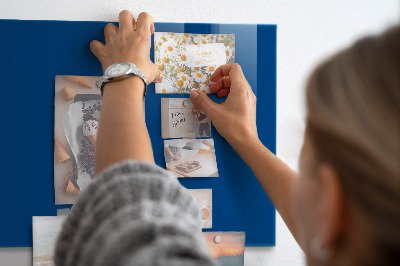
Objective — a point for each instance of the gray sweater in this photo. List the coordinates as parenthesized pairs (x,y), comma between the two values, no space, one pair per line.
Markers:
(134,213)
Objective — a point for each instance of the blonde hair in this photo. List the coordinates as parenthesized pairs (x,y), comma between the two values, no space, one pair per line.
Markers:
(353,120)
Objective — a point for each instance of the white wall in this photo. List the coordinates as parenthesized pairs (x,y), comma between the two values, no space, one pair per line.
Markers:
(307,32)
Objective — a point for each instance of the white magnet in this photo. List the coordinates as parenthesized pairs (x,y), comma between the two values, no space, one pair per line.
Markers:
(187,102)
(217,239)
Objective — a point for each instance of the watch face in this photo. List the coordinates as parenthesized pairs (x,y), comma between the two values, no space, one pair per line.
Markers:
(118,69)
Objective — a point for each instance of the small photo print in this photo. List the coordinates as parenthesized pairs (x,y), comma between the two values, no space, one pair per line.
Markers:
(204,199)
(191,157)
(188,60)
(226,247)
(77,105)
(45,230)
(180,118)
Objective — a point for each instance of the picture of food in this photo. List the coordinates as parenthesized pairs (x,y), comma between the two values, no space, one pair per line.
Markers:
(90,128)
(60,152)
(76,116)
(187,60)
(188,167)
(191,157)
(79,80)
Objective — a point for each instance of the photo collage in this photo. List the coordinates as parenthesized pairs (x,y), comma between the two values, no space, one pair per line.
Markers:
(187,62)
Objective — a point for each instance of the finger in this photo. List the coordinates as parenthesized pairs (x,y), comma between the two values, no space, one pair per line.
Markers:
(145,24)
(110,31)
(125,22)
(225,82)
(234,71)
(223,92)
(202,101)
(97,48)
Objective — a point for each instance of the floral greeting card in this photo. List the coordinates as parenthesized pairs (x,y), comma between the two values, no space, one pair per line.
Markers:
(188,60)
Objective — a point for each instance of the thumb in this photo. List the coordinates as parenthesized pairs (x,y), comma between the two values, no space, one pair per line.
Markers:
(202,101)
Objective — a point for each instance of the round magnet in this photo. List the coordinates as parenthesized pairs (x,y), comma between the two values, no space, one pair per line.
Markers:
(187,102)
(98,83)
(217,239)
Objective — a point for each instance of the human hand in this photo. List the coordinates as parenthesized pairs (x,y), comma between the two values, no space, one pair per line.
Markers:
(235,119)
(130,42)
(176,157)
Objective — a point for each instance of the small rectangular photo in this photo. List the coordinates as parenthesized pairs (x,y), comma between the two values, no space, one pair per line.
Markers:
(45,230)
(191,157)
(226,247)
(188,60)
(180,118)
(204,199)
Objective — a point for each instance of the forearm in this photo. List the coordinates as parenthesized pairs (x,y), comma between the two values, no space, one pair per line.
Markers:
(274,175)
(122,131)
(169,152)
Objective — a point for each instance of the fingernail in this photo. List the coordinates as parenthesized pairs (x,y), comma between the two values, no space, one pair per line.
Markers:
(160,78)
(194,94)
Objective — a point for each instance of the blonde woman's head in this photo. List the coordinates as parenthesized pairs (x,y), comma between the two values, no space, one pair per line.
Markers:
(347,199)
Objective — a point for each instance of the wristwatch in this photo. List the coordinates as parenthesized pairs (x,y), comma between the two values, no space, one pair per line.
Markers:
(120,71)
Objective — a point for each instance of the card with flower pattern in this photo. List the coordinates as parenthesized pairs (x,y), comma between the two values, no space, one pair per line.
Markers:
(188,60)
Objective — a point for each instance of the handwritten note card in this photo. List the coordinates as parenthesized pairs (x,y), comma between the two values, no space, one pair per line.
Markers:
(180,118)
(205,55)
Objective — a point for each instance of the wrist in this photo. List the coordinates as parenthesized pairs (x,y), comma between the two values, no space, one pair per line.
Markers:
(130,86)
(244,141)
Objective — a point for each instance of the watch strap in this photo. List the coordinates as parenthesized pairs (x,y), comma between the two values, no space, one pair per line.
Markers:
(134,71)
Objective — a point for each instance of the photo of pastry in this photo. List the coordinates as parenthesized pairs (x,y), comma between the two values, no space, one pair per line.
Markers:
(226,247)
(191,157)
(77,104)
(204,198)
(180,118)
(187,60)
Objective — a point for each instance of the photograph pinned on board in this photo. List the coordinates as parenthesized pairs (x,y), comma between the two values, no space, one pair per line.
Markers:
(226,247)
(77,104)
(191,157)
(180,118)
(45,231)
(204,199)
(188,60)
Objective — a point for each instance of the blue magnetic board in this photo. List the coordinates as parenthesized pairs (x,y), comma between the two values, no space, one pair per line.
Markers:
(34,52)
